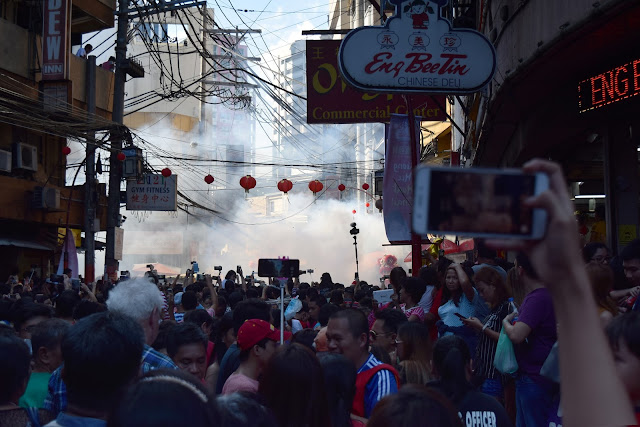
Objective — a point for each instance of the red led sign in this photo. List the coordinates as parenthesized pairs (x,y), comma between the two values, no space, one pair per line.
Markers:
(612,86)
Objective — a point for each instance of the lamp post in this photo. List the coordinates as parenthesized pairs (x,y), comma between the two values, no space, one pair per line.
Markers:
(354,232)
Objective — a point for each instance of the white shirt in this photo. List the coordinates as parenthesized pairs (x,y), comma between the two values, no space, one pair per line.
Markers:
(82,53)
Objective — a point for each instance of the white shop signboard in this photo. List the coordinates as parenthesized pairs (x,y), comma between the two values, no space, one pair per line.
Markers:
(152,193)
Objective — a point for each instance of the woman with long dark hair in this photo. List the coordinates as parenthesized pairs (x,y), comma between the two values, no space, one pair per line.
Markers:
(492,288)
(413,347)
(292,386)
(340,385)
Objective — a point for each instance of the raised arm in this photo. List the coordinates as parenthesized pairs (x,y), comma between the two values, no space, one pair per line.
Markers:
(212,291)
(465,283)
(590,396)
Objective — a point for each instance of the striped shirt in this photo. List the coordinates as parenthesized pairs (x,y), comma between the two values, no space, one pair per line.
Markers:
(486,349)
(382,384)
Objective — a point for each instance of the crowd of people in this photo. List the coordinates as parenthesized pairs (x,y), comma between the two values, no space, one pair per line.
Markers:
(216,353)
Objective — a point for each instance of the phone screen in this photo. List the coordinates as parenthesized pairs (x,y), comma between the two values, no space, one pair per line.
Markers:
(278,267)
(480,202)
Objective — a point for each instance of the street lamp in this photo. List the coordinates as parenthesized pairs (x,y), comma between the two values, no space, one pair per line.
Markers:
(354,232)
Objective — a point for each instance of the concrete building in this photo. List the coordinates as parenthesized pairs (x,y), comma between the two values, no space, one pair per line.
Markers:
(43,96)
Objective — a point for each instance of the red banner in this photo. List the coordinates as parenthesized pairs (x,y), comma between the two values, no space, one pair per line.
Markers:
(331,100)
(55,40)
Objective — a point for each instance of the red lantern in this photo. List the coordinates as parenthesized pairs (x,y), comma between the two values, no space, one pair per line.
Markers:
(341,187)
(166,172)
(365,186)
(367,204)
(208,179)
(315,186)
(247,182)
(121,157)
(285,185)
(353,211)
(66,150)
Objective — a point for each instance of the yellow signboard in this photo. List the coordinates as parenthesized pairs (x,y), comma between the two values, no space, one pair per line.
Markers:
(626,234)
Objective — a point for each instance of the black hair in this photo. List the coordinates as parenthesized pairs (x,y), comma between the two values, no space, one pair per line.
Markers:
(483,250)
(396,275)
(198,317)
(366,302)
(319,300)
(325,281)
(414,287)
(29,310)
(65,303)
(235,298)
(313,292)
(163,332)
(231,275)
(153,400)
(523,261)
(336,297)
(429,275)
(631,251)
(48,334)
(244,354)
(306,402)
(184,334)
(250,309)
(252,293)
(443,264)
(340,384)
(305,337)
(356,320)
(380,353)
(326,311)
(189,300)
(273,292)
(625,328)
(242,409)
(14,369)
(113,343)
(415,405)
(450,356)
(590,249)
(86,308)
(221,327)
(275,316)
(392,319)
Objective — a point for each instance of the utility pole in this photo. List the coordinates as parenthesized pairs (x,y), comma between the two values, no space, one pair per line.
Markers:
(90,180)
(203,71)
(125,67)
(115,168)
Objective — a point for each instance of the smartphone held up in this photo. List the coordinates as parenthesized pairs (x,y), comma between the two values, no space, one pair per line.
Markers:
(478,202)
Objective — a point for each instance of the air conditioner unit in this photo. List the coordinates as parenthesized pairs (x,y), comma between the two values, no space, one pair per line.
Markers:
(25,157)
(5,161)
(46,198)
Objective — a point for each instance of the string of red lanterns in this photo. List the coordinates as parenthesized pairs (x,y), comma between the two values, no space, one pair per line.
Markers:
(208,179)
(66,150)
(166,172)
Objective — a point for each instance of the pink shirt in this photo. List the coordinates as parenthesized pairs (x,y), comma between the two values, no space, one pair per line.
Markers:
(417,311)
(238,382)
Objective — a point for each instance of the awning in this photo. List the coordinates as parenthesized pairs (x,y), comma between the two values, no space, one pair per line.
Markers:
(26,243)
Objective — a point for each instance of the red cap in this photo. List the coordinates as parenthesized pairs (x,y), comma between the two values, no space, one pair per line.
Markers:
(255,330)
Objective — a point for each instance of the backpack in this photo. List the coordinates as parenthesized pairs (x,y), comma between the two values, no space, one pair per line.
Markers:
(362,380)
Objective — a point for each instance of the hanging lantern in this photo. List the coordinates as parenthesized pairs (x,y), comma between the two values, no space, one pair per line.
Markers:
(367,204)
(121,157)
(208,179)
(353,211)
(365,186)
(315,186)
(247,182)
(66,150)
(341,187)
(285,185)
(166,172)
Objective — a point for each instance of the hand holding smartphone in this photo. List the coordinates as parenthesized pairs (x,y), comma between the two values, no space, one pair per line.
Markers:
(460,316)
(477,202)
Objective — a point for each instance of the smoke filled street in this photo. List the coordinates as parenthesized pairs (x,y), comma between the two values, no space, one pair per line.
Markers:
(329,213)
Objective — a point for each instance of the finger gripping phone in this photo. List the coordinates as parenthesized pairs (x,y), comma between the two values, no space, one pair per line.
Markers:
(478,202)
